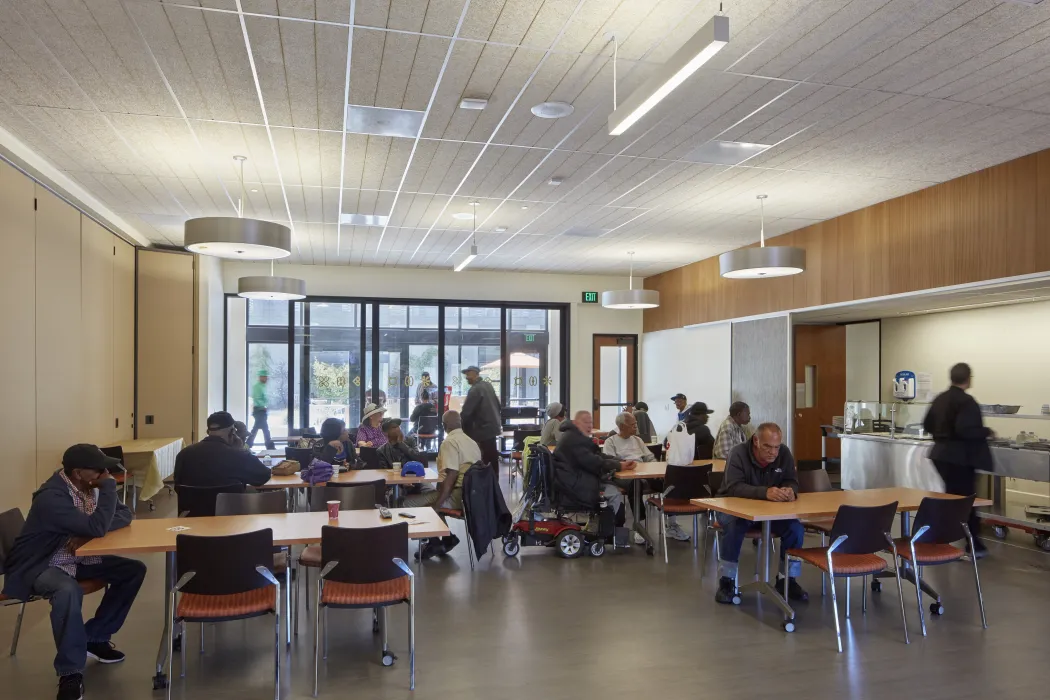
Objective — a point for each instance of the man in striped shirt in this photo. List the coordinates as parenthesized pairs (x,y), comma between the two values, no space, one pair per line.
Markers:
(734,430)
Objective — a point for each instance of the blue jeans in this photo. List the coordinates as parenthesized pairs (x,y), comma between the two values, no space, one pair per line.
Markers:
(72,634)
(734,531)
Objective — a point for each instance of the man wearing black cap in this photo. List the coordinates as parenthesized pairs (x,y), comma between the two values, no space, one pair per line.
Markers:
(217,460)
(680,402)
(78,503)
(696,423)
(482,419)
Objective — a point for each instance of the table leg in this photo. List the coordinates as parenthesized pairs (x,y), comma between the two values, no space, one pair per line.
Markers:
(161,679)
(650,545)
(764,586)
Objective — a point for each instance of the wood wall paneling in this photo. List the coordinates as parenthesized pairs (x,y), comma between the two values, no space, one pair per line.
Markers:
(123,341)
(18,349)
(59,368)
(96,340)
(165,345)
(988,225)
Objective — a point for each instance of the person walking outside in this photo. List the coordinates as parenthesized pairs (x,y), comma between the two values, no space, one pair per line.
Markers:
(259,411)
(482,418)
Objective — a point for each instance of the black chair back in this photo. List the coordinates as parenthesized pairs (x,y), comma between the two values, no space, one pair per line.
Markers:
(520,435)
(814,481)
(350,496)
(379,485)
(365,554)
(199,501)
(117,453)
(11,524)
(302,455)
(945,516)
(687,482)
(520,413)
(865,526)
(714,481)
(370,456)
(224,565)
(251,503)
(428,426)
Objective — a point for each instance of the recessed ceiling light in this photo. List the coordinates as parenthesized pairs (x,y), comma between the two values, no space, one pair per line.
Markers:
(463,215)
(725,152)
(363,219)
(501,229)
(473,103)
(383,121)
(556,180)
(255,190)
(524,206)
(552,110)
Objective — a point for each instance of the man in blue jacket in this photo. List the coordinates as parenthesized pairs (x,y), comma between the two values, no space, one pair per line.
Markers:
(78,503)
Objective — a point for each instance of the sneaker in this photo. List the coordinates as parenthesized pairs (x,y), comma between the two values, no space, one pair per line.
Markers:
(71,687)
(675,532)
(637,537)
(430,549)
(795,591)
(104,652)
(448,543)
(726,593)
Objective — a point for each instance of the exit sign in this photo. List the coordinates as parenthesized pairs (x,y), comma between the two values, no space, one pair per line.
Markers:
(530,337)
(590,297)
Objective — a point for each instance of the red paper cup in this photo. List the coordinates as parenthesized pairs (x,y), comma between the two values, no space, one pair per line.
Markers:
(333,510)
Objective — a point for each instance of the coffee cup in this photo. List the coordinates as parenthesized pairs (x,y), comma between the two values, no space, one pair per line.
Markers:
(333,510)
(397,467)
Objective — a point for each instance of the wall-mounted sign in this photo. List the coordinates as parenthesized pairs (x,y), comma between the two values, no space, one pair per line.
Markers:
(590,297)
(530,337)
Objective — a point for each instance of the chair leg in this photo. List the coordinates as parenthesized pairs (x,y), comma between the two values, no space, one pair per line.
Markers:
(324,624)
(917,572)
(703,565)
(298,585)
(171,644)
(182,651)
(900,594)
(849,582)
(386,637)
(976,577)
(864,595)
(412,636)
(696,531)
(663,533)
(823,576)
(277,645)
(18,628)
(288,595)
(835,604)
(202,637)
(470,545)
(317,639)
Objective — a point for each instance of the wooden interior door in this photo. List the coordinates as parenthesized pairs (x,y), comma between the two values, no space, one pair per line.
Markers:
(820,386)
(615,377)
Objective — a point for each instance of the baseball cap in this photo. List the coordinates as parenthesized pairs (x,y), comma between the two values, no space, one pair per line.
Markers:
(264,373)
(699,407)
(85,456)
(678,396)
(389,423)
(472,368)
(220,420)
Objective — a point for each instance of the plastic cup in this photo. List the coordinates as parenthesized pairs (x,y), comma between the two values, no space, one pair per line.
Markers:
(333,510)
(396,467)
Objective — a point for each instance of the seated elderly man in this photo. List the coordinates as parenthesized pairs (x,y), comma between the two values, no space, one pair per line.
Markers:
(552,428)
(396,450)
(762,469)
(458,453)
(582,472)
(734,430)
(218,460)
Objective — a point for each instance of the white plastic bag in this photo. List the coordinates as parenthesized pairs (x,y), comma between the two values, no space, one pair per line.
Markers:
(681,446)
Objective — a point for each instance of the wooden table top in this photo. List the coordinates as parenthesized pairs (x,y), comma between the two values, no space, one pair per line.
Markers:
(144,445)
(355,476)
(155,535)
(657,470)
(822,505)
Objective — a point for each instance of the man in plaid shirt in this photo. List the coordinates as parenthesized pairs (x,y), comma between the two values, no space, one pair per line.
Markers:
(77,503)
(735,429)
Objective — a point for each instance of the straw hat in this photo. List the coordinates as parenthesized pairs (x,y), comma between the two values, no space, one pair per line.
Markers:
(370,410)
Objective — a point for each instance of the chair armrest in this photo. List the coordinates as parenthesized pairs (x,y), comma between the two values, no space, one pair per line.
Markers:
(327,569)
(837,543)
(184,514)
(268,575)
(919,533)
(404,567)
(185,579)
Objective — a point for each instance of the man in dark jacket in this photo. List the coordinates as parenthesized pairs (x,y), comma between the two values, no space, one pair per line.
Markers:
(396,450)
(78,503)
(582,473)
(216,461)
(696,425)
(482,419)
(762,469)
(960,442)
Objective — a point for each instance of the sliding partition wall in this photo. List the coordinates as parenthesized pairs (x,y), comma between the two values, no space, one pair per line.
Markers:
(328,357)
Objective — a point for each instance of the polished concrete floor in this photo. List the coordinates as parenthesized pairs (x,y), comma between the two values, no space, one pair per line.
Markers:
(623,626)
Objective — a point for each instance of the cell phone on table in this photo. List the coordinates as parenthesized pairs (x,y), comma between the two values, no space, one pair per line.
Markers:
(407,515)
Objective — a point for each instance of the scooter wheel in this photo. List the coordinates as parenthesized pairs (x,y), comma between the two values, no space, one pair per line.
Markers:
(1043,542)
(511,546)
(569,544)
(597,548)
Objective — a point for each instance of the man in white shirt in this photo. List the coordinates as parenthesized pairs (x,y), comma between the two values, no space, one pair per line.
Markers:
(457,454)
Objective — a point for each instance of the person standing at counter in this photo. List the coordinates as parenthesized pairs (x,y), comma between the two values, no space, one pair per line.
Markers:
(960,442)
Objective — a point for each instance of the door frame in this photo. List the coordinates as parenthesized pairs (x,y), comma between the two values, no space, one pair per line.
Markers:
(632,379)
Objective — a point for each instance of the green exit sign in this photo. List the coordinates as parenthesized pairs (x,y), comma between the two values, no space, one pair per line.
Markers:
(590,297)
(530,337)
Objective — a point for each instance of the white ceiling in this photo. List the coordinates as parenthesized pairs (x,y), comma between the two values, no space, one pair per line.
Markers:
(144,103)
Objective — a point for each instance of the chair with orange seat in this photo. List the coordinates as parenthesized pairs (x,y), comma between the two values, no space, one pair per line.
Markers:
(226,578)
(682,484)
(857,535)
(365,568)
(938,523)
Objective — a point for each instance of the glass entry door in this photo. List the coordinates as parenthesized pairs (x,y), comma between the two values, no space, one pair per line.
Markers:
(330,368)
(615,377)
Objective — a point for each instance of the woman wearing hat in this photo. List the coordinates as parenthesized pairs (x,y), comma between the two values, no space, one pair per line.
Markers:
(370,434)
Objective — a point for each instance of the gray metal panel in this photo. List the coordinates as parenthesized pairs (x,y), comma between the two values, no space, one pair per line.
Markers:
(760,368)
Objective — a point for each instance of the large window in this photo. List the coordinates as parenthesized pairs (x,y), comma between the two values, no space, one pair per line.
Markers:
(328,357)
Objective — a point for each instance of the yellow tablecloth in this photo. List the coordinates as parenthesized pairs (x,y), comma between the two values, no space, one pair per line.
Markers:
(150,461)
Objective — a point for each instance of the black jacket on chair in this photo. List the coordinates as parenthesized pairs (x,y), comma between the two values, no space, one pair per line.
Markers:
(580,467)
(487,514)
(959,436)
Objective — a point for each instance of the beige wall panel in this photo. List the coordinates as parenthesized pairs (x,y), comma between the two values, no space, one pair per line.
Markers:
(18,348)
(165,345)
(123,341)
(59,374)
(96,340)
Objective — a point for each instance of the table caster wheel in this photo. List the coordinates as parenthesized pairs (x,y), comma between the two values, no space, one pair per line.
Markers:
(1042,541)
(389,659)
(160,681)
(876,586)
(1000,531)
(736,599)
(789,626)
(936,609)
(375,624)
(152,506)
(649,550)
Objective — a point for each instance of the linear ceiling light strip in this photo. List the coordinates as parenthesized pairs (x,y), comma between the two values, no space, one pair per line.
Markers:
(342,149)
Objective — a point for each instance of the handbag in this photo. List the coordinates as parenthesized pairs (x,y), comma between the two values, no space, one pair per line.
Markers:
(681,446)
(317,473)
(287,467)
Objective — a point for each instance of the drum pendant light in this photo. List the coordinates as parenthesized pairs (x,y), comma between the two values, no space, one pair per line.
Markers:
(238,238)
(272,288)
(631,298)
(755,263)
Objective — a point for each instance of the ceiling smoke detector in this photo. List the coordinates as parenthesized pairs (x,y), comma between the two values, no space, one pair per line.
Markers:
(552,110)
(556,180)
